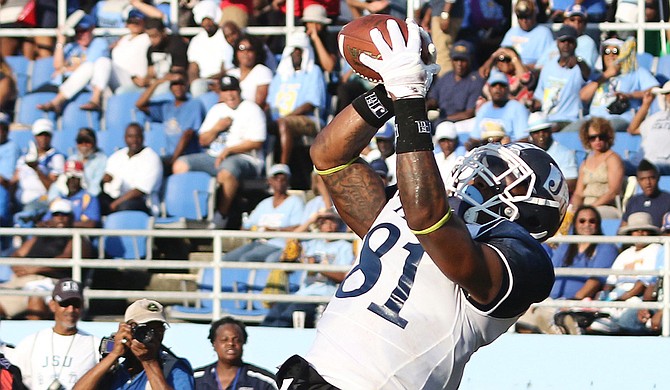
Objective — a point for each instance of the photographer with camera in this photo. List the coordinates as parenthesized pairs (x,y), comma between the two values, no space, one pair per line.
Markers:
(134,356)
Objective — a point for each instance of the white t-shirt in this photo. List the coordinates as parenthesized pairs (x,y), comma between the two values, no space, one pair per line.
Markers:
(248,124)
(259,75)
(143,171)
(210,52)
(46,355)
(655,132)
(130,54)
(646,259)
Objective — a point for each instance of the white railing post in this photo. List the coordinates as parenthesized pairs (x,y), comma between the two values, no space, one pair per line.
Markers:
(76,256)
(665,323)
(217,249)
(641,19)
(290,17)
(62,12)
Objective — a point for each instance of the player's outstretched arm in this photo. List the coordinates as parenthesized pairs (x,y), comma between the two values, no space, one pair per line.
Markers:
(442,234)
(356,190)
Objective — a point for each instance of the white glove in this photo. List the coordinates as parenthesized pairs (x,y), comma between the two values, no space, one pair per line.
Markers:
(404,73)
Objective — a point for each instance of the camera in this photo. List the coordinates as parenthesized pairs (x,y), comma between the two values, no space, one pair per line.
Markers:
(143,333)
(106,345)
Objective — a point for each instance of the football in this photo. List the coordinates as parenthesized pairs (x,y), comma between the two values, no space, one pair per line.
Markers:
(354,39)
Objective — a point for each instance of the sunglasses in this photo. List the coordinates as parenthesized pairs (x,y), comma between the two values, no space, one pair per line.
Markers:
(523,17)
(74,303)
(602,137)
(84,141)
(244,48)
(613,51)
(584,220)
(503,58)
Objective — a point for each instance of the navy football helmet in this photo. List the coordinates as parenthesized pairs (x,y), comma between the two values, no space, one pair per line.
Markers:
(519,182)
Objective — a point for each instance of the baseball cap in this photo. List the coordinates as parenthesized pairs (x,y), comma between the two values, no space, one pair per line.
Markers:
(316,13)
(43,125)
(525,8)
(575,10)
(145,310)
(280,169)
(566,32)
(462,50)
(380,167)
(665,225)
(445,130)
(67,289)
(135,14)
(616,42)
(86,22)
(538,121)
(387,131)
(497,78)
(206,9)
(230,83)
(60,205)
(74,168)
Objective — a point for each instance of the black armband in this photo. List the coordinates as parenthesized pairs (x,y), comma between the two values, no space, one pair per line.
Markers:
(374,106)
(412,126)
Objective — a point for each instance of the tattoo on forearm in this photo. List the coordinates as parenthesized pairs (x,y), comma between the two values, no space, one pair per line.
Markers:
(354,195)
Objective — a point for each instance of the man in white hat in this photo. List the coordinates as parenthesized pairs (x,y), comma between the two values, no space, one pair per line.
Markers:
(35,172)
(316,20)
(209,54)
(147,364)
(446,138)
(654,130)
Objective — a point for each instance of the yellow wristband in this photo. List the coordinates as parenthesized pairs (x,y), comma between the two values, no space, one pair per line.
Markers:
(338,168)
(437,225)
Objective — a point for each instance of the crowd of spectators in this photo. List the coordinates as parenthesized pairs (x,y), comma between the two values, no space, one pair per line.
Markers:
(226,100)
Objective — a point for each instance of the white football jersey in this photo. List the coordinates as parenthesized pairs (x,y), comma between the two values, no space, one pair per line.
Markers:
(397,322)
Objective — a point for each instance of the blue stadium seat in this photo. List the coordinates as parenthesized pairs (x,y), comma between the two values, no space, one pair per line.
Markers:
(121,111)
(127,247)
(27,111)
(65,140)
(664,183)
(21,67)
(74,117)
(41,72)
(626,145)
(190,196)
(569,139)
(157,140)
(253,310)
(111,141)
(645,60)
(610,226)
(22,138)
(663,67)
(209,99)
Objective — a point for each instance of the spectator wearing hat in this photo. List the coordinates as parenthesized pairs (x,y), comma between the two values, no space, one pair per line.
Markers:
(443,20)
(133,176)
(520,78)
(93,158)
(209,54)
(380,168)
(68,351)
(35,173)
(511,115)
(167,53)
(557,92)
(587,49)
(228,337)
(593,10)
(455,93)
(641,256)
(652,200)
(38,278)
(540,132)
(71,186)
(654,130)
(316,251)
(9,155)
(181,117)
(76,65)
(324,43)
(280,212)
(232,136)
(528,38)
(447,148)
(147,363)
(606,92)
(297,95)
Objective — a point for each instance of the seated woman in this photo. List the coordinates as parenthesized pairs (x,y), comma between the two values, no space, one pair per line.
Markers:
(601,175)
(586,222)
(249,57)
(76,65)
